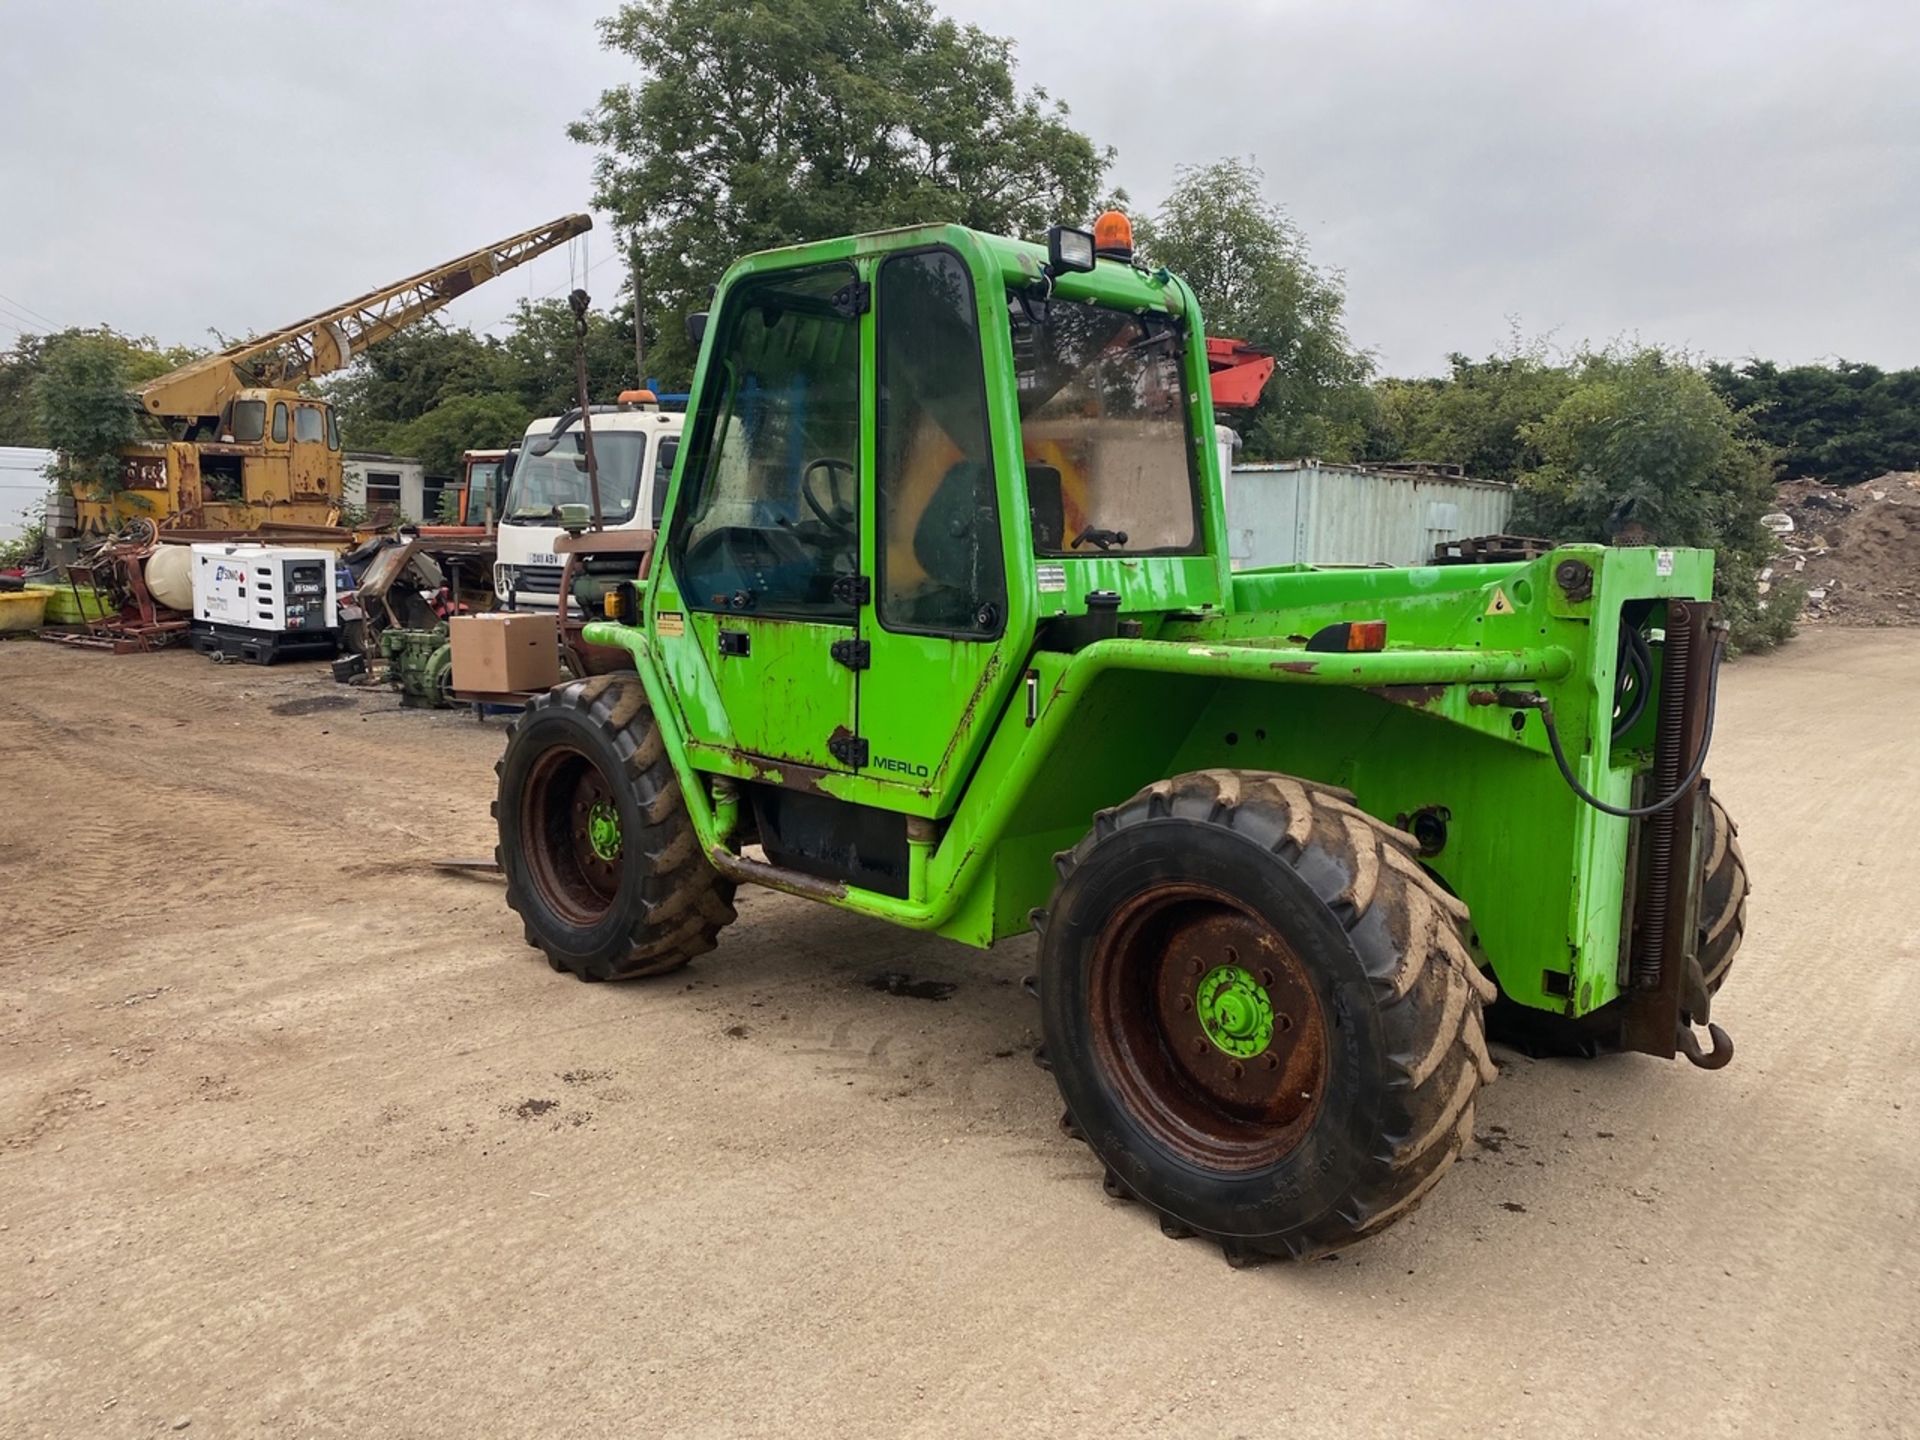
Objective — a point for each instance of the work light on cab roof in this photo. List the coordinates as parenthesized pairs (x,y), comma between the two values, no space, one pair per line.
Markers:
(1071,251)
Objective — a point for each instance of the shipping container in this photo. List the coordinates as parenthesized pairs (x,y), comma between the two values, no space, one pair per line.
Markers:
(1308,512)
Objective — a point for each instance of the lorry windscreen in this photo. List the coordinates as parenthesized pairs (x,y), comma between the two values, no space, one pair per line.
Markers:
(542,482)
(1103,428)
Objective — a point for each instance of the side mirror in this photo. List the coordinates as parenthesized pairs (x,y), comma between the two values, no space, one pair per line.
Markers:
(544,445)
(696,327)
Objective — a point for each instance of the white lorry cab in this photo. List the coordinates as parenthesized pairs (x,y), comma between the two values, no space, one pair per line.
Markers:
(634,443)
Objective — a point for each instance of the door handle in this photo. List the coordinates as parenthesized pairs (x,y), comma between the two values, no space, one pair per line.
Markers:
(734,642)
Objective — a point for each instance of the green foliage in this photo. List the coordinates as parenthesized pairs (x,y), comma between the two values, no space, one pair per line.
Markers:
(460,422)
(392,384)
(1623,446)
(1476,416)
(81,406)
(1248,264)
(1643,439)
(1843,423)
(26,547)
(766,122)
(22,369)
(536,358)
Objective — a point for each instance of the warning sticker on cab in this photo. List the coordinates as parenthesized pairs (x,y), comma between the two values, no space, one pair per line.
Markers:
(670,623)
(1663,562)
(1050,578)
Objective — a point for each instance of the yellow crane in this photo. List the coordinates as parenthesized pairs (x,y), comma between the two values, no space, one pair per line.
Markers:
(243,445)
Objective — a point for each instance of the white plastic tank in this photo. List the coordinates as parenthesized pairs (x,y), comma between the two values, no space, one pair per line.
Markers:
(169,576)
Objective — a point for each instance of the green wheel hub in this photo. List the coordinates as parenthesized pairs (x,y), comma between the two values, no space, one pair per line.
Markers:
(603,830)
(1235,1011)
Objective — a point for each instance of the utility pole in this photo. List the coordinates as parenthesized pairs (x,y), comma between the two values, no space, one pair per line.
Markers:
(639,319)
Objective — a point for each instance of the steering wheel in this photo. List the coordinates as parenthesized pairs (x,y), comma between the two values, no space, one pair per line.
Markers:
(837,516)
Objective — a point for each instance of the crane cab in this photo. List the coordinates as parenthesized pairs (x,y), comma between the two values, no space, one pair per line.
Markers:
(267,455)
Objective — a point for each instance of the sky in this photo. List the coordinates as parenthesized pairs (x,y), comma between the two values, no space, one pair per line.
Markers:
(1735,178)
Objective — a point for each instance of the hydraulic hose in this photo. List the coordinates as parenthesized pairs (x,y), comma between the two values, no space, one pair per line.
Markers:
(1638,812)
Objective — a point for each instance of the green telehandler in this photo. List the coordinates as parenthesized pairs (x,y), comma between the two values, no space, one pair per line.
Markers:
(940,628)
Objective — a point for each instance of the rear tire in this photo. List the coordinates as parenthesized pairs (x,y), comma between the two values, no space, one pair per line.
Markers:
(601,859)
(1723,895)
(1323,1097)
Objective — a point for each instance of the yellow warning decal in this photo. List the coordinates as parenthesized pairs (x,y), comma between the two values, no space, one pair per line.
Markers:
(1499,604)
(670,622)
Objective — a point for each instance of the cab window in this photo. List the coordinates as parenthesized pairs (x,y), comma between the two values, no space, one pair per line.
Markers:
(937,550)
(1103,428)
(333,432)
(279,423)
(309,424)
(773,520)
(249,421)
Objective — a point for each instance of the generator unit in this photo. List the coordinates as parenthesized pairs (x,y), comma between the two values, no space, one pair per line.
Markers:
(263,603)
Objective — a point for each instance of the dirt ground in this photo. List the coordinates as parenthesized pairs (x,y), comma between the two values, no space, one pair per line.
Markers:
(297,1136)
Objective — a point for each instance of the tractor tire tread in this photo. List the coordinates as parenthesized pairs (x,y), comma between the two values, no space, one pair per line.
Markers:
(1429,992)
(683,902)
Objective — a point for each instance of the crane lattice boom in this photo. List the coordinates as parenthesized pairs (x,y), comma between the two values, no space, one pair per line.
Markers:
(326,342)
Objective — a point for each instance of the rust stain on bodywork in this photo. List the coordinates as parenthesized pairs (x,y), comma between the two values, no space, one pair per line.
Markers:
(1297,667)
(1408,694)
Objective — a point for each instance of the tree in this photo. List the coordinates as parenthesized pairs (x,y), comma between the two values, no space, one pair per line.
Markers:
(392,384)
(81,403)
(1642,435)
(1476,416)
(766,122)
(1248,264)
(22,369)
(1842,423)
(461,422)
(536,358)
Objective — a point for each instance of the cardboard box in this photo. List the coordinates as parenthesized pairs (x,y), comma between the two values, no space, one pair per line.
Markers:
(498,654)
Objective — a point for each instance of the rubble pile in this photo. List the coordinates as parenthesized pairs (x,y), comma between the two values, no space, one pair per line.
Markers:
(1856,550)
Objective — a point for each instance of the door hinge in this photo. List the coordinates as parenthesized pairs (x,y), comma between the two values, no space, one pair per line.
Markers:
(854,654)
(850,750)
(852,589)
(853,298)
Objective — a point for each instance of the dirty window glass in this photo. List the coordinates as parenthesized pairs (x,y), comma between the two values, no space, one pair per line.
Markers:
(938,545)
(279,423)
(774,522)
(249,421)
(333,432)
(542,483)
(308,424)
(1103,429)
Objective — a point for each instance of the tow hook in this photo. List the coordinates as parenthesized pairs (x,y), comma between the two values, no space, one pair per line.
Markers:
(1688,1043)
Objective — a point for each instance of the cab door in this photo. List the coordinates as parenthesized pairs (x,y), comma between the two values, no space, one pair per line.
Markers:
(765,551)
(931,689)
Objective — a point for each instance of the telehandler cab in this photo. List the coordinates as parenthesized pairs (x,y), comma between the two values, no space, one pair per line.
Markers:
(941,620)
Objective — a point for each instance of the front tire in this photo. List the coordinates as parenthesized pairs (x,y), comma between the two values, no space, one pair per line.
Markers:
(1260,1012)
(601,859)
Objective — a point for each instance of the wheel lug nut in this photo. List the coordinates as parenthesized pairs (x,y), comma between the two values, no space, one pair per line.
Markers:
(1236,1069)
(1199,1045)
(1266,978)
(1193,967)
(1273,1061)
(1186,1002)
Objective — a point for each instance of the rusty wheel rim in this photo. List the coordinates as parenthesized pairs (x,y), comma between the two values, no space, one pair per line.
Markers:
(569,823)
(1209,1026)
